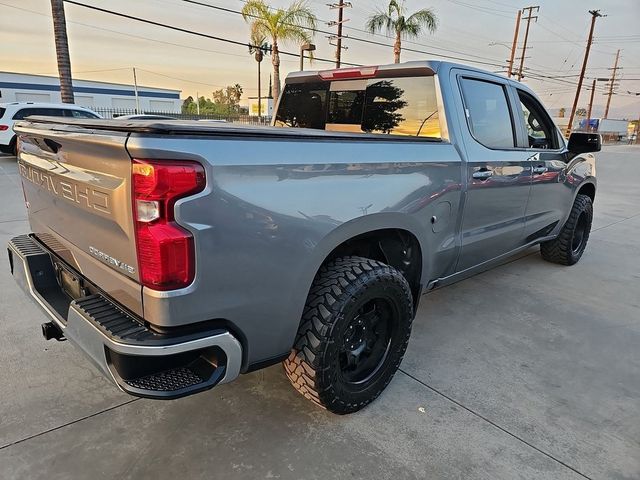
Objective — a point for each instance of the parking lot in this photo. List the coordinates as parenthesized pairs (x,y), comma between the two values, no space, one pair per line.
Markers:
(530,370)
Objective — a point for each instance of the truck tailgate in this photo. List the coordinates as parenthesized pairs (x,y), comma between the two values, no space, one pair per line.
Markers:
(77,189)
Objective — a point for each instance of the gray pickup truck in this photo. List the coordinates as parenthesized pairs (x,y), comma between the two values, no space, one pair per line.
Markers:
(179,254)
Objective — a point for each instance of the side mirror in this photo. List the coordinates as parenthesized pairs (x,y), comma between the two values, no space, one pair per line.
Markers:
(580,142)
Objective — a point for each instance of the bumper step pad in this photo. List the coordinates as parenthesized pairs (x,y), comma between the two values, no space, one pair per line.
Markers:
(112,320)
(168,381)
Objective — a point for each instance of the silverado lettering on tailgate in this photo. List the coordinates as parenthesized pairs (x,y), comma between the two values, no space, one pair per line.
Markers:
(105,257)
(69,190)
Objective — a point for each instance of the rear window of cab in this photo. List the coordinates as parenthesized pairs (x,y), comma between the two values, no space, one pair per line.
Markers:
(393,106)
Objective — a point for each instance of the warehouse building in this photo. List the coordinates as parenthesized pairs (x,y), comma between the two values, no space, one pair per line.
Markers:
(20,87)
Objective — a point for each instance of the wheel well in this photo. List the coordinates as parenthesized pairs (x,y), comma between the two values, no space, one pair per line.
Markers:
(395,247)
(588,189)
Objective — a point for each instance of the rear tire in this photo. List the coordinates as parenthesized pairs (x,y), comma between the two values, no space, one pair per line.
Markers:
(567,248)
(12,148)
(354,332)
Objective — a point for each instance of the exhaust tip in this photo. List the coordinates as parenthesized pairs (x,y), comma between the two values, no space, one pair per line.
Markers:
(50,331)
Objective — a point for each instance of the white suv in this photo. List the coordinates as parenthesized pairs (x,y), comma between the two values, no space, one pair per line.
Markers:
(10,112)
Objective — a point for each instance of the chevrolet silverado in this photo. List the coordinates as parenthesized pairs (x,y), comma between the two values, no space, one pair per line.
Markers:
(178,255)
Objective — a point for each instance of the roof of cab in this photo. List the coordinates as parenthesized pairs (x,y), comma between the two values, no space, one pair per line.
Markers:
(432,67)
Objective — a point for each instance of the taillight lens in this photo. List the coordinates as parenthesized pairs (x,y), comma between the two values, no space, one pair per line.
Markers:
(166,257)
(4,127)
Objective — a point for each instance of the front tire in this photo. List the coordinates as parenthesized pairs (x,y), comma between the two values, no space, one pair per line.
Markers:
(567,248)
(354,332)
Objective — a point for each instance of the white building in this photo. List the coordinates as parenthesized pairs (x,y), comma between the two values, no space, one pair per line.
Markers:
(19,87)
(266,106)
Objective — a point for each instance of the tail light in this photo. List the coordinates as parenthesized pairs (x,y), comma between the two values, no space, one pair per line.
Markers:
(166,257)
(4,127)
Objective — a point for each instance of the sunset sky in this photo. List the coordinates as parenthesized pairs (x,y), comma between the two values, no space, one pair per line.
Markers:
(104,47)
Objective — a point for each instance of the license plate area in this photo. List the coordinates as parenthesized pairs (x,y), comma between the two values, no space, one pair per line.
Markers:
(71,284)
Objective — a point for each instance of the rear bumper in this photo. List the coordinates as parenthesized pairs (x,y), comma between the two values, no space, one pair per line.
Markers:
(140,361)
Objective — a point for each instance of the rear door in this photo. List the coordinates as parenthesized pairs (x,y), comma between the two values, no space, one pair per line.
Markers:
(498,173)
(77,189)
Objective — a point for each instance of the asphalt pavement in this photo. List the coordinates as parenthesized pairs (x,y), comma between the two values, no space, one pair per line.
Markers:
(530,370)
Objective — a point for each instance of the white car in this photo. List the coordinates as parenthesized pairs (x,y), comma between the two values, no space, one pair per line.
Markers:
(10,112)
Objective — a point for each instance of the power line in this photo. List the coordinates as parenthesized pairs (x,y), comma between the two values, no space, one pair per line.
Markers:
(359,39)
(185,30)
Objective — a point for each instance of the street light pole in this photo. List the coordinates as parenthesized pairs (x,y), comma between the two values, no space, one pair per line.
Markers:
(135,90)
(305,47)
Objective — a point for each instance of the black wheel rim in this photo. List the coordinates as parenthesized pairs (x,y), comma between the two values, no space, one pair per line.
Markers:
(366,341)
(579,233)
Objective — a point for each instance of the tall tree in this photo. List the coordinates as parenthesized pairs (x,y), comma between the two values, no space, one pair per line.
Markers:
(396,22)
(227,99)
(62,50)
(258,47)
(293,24)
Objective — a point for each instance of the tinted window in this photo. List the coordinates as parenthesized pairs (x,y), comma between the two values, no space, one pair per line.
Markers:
(2,110)
(397,106)
(49,112)
(541,131)
(303,105)
(79,114)
(346,107)
(488,113)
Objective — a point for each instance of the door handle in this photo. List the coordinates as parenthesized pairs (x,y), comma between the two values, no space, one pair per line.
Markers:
(540,169)
(482,174)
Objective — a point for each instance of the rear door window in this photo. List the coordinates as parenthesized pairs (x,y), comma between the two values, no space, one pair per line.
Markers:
(488,114)
(2,110)
(393,106)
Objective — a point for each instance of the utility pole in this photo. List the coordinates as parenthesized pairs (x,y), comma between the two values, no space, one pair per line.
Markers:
(611,85)
(135,90)
(594,14)
(526,36)
(62,50)
(197,103)
(340,6)
(515,44)
(593,89)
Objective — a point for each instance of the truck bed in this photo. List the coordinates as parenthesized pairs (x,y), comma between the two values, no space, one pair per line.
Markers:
(199,128)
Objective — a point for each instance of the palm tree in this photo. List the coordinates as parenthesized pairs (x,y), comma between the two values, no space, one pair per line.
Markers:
(396,22)
(295,23)
(258,47)
(62,50)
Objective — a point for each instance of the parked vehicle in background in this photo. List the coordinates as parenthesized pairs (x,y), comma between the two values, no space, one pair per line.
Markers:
(145,116)
(613,130)
(178,255)
(12,112)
